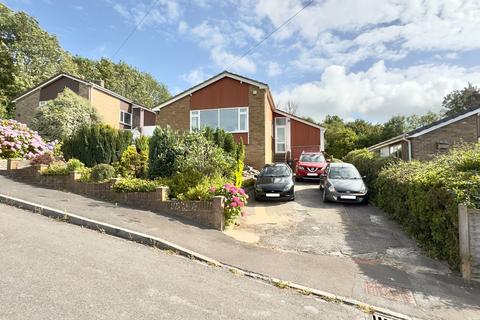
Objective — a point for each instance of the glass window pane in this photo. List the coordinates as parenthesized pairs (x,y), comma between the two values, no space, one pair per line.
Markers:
(128,117)
(209,118)
(280,121)
(243,122)
(280,135)
(280,147)
(194,123)
(229,119)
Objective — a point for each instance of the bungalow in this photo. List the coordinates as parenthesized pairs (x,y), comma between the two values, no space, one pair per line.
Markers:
(114,109)
(244,107)
(437,137)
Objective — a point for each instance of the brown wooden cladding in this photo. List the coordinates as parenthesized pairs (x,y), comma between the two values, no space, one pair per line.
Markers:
(224,93)
(149,118)
(240,137)
(52,90)
(303,134)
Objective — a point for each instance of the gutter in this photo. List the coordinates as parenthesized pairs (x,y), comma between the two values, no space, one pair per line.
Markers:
(409,148)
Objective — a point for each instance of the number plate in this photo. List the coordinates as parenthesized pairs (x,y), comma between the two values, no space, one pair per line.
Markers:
(312,174)
(348,197)
(272,195)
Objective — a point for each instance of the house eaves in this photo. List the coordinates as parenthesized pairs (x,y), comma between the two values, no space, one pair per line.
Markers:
(208,82)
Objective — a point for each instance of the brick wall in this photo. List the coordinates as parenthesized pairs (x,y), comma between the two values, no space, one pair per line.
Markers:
(176,115)
(25,107)
(424,147)
(255,151)
(206,213)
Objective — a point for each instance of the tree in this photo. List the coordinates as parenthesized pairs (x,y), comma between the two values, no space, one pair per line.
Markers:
(289,107)
(393,127)
(460,100)
(367,133)
(339,138)
(60,117)
(414,121)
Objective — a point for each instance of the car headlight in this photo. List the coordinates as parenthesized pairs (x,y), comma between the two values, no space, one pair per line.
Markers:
(331,188)
(258,188)
(363,189)
(287,187)
(301,167)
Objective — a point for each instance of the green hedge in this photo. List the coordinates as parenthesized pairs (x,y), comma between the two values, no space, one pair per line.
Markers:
(424,196)
(96,144)
(136,185)
(369,164)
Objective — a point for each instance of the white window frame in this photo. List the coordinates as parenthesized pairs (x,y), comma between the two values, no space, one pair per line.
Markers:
(242,111)
(122,118)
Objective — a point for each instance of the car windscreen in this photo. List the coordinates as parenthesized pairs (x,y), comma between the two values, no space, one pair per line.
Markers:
(312,158)
(343,173)
(275,171)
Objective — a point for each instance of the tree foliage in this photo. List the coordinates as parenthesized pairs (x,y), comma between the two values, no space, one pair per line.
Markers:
(60,117)
(460,100)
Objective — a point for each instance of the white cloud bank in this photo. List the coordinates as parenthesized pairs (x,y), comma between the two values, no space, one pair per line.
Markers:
(379,92)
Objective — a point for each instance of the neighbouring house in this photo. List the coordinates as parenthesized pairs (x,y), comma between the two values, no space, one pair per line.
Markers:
(437,137)
(244,107)
(114,109)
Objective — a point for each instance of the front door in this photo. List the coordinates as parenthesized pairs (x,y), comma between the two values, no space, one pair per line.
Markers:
(282,135)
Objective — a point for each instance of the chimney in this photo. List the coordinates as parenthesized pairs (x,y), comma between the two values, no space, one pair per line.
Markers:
(99,82)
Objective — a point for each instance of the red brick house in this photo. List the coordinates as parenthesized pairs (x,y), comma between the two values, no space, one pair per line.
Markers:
(244,107)
(114,109)
(435,138)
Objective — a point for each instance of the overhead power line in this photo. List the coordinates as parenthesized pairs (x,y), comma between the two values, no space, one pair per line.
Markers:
(154,3)
(270,34)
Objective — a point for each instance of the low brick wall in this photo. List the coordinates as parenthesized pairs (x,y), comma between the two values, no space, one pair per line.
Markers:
(206,213)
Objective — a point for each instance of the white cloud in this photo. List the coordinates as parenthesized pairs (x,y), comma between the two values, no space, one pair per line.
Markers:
(194,77)
(182,27)
(252,31)
(163,12)
(378,93)
(273,69)
(213,39)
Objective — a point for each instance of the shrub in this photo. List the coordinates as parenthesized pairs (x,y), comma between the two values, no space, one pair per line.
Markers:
(136,185)
(369,164)
(45,158)
(164,149)
(424,198)
(133,164)
(75,165)
(235,201)
(60,117)
(57,168)
(141,143)
(202,191)
(18,141)
(248,183)
(102,172)
(239,158)
(96,144)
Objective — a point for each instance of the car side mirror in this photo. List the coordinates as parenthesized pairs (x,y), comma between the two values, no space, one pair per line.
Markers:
(323,175)
(364,177)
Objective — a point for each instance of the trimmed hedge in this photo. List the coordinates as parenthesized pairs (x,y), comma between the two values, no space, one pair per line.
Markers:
(369,164)
(424,198)
(136,185)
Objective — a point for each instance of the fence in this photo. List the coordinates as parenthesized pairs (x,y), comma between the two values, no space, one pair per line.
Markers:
(469,240)
(206,213)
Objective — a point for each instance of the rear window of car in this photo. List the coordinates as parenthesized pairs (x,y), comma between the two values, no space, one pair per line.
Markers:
(275,171)
(312,158)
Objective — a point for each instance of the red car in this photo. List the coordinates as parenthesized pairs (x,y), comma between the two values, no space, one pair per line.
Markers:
(310,166)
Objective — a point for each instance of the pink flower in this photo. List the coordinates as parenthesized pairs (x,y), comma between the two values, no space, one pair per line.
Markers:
(241,191)
(236,199)
(233,204)
(240,204)
(212,189)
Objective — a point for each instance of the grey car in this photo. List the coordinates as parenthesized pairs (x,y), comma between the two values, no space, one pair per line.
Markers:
(341,182)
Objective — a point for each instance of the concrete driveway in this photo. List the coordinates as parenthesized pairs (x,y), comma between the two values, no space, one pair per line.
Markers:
(311,226)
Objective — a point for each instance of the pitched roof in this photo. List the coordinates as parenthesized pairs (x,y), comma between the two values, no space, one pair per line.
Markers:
(208,82)
(289,115)
(91,84)
(429,127)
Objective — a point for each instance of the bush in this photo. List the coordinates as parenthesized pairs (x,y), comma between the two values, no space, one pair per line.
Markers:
(164,149)
(235,201)
(424,198)
(239,158)
(102,172)
(141,143)
(57,168)
(45,158)
(60,117)
(221,139)
(133,164)
(136,185)
(75,165)
(248,183)
(18,141)
(96,144)
(369,164)
(203,190)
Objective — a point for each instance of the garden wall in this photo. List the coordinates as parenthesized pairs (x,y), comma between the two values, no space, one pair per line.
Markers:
(206,213)
(469,237)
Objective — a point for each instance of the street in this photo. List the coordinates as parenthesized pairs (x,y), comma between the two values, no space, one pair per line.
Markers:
(53,270)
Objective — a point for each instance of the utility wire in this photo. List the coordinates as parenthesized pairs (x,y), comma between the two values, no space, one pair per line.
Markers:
(270,34)
(154,3)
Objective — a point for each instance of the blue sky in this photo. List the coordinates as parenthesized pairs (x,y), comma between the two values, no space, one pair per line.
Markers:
(367,59)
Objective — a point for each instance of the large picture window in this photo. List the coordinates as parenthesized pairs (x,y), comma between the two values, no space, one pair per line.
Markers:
(228,119)
(125,117)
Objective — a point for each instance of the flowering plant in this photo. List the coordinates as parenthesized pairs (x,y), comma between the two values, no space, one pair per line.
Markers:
(18,141)
(235,201)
